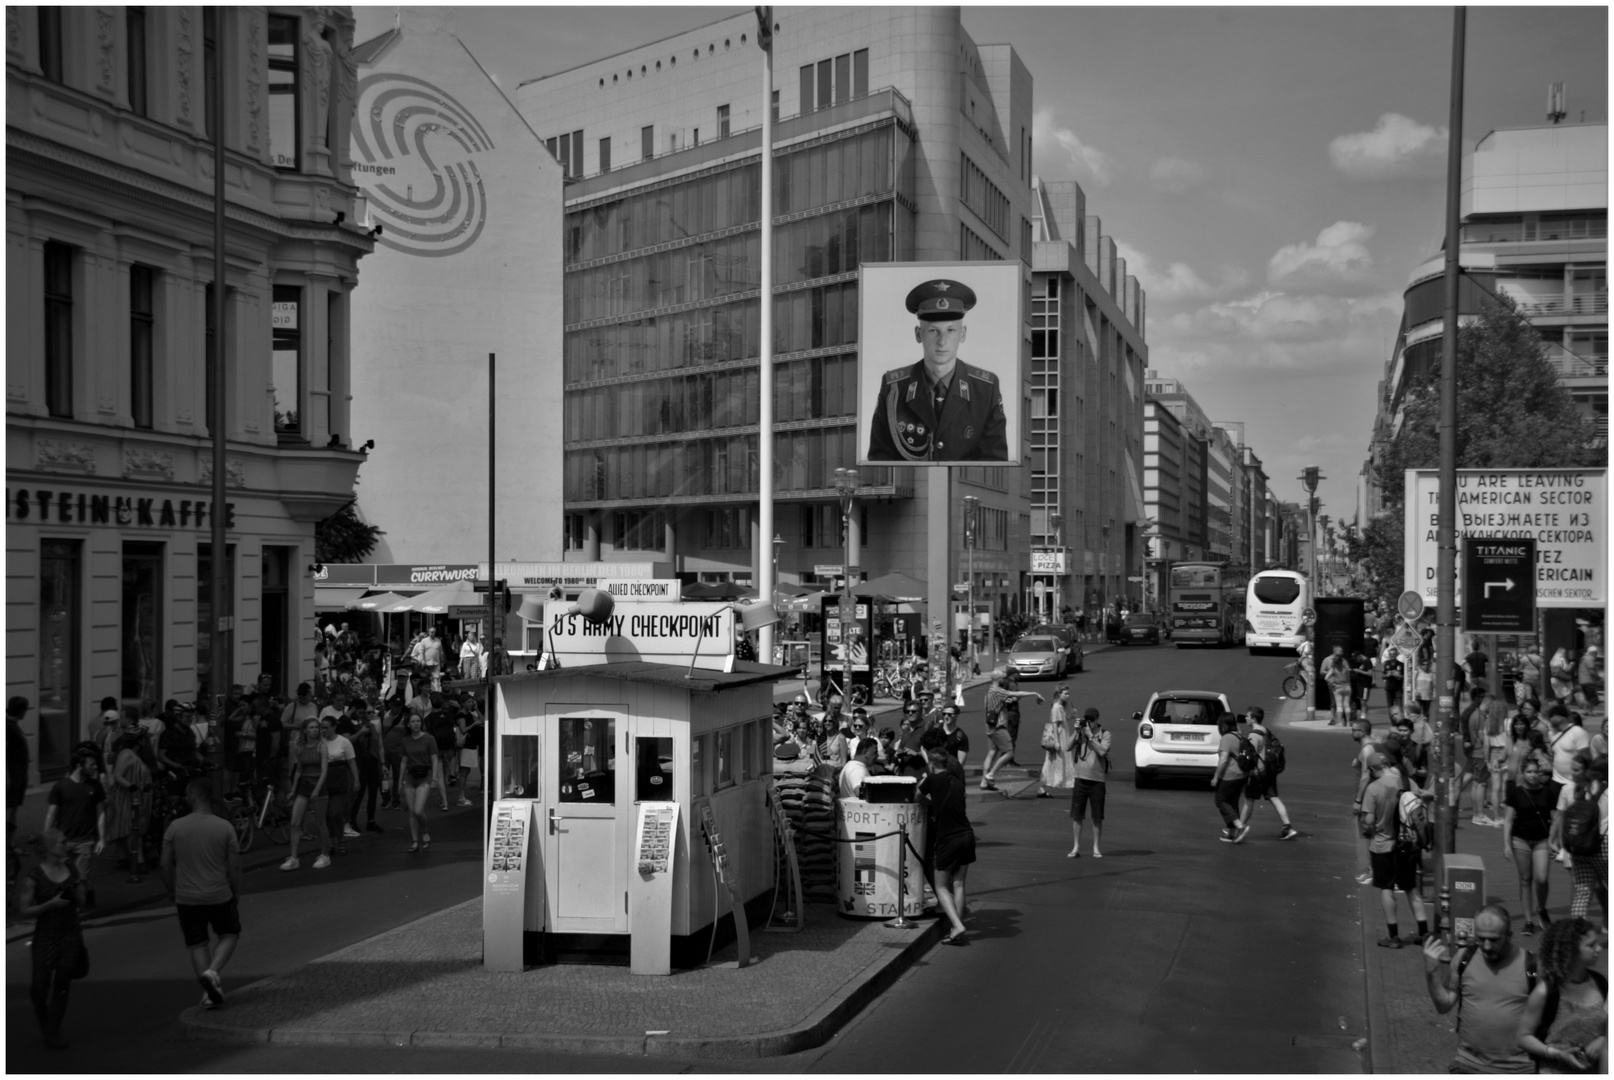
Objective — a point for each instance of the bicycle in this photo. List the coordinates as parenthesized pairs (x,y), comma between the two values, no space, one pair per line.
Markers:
(1293,685)
(268,816)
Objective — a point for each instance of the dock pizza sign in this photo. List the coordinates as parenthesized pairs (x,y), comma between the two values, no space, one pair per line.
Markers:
(1565,511)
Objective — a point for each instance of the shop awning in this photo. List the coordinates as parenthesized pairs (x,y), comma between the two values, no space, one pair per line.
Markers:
(338,599)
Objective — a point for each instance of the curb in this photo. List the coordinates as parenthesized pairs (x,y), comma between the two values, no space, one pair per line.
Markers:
(830,1016)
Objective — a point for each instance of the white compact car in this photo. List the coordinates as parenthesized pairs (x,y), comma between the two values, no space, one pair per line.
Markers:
(1178,736)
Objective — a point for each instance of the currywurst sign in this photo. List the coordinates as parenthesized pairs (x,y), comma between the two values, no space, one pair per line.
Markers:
(1565,511)
(654,632)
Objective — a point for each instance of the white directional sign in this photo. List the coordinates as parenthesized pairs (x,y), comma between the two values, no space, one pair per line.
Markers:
(1565,511)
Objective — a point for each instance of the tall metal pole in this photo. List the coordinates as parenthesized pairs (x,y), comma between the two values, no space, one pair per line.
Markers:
(489,636)
(766,576)
(1446,567)
(219,674)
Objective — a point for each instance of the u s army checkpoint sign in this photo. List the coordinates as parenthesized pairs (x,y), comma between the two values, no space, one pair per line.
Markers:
(1499,586)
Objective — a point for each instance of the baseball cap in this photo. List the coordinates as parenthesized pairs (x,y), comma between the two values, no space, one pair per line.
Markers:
(1090,714)
(1376,760)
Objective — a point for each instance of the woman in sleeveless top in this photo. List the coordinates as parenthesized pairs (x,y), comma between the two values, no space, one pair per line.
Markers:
(52,894)
(305,775)
(1057,766)
(1565,1022)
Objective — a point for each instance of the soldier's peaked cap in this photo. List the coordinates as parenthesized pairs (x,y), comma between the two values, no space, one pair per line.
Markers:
(940,298)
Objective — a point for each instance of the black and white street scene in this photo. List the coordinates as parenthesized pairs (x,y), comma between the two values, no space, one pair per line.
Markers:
(843,540)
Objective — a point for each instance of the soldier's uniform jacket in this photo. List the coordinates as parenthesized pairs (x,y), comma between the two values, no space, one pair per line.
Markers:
(969,426)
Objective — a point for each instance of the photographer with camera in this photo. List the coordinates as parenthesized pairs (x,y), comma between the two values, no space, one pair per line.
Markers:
(1090,751)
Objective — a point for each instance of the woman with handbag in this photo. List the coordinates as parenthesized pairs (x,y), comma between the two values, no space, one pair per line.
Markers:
(129,805)
(1057,764)
(53,894)
(421,766)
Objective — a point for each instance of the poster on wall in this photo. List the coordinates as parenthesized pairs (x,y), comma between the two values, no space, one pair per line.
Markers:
(939,363)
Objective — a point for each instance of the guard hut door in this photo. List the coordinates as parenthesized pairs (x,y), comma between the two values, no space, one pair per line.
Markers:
(587,831)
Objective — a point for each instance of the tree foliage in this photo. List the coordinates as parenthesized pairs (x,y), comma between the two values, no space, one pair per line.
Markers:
(344,537)
(1512,412)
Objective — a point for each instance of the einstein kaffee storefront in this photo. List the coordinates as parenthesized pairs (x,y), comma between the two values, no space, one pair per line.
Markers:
(109,578)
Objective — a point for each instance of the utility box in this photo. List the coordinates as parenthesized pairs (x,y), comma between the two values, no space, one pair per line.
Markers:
(1465,884)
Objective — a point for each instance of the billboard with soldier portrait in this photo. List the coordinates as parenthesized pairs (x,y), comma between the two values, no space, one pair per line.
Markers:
(939,378)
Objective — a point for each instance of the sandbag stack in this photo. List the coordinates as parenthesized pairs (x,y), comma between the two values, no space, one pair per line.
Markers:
(807,796)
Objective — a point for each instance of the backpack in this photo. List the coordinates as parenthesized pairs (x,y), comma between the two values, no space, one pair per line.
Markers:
(1245,756)
(1530,975)
(1581,821)
(1273,760)
(1414,827)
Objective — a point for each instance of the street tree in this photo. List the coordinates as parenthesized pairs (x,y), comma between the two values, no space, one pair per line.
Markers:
(1512,412)
(344,537)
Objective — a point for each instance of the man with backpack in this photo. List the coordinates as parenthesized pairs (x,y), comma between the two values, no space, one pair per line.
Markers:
(1488,983)
(1392,856)
(1263,783)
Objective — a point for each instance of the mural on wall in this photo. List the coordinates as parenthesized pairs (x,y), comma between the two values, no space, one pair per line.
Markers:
(414,151)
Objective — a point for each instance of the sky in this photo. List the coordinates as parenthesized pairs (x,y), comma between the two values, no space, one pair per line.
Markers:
(1272,175)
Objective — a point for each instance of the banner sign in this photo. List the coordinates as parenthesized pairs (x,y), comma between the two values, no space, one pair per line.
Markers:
(637,589)
(652,631)
(1047,562)
(1565,511)
(422,577)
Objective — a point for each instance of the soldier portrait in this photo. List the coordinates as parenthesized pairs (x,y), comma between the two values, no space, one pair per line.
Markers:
(948,404)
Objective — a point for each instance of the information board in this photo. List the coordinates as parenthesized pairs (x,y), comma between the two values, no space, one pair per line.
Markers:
(1499,586)
(504,884)
(652,631)
(1565,511)
(650,889)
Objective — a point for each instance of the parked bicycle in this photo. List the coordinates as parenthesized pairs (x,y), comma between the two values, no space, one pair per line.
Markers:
(267,814)
(1293,685)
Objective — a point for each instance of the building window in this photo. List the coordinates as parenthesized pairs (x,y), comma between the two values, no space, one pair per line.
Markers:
(134,23)
(59,329)
(634,530)
(143,655)
(843,77)
(605,155)
(141,317)
(776,106)
(574,532)
(973,249)
(50,43)
(61,573)
(210,66)
(722,122)
(647,141)
(825,86)
(860,73)
(287,363)
(806,88)
(568,150)
(285,128)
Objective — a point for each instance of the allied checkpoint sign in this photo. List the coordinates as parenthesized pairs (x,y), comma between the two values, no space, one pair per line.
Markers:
(1565,511)
(653,632)
(978,357)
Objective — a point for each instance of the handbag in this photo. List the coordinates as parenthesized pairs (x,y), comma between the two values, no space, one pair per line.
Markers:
(1050,736)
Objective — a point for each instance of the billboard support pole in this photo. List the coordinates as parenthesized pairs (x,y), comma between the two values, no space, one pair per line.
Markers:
(1446,794)
(767,574)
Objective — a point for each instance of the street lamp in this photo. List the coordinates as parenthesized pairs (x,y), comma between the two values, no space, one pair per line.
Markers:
(1308,478)
(846,488)
(972,510)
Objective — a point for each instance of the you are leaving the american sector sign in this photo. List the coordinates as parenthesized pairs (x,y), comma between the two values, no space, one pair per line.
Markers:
(1565,511)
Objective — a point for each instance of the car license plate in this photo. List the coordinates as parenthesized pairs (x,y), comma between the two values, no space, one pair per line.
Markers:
(1185,736)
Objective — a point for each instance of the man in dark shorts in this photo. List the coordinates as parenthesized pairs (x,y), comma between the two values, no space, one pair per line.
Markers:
(1003,698)
(953,841)
(1263,783)
(201,868)
(1090,750)
(1394,865)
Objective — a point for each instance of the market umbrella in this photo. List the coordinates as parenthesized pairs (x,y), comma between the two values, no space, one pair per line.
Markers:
(723,590)
(897,586)
(379,602)
(434,601)
(810,602)
(793,590)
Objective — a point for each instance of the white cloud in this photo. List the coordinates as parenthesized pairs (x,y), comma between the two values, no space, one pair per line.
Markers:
(1178,280)
(1059,150)
(1276,333)
(1337,259)
(1174,176)
(1398,147)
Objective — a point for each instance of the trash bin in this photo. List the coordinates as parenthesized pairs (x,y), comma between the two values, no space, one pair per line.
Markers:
(866,868)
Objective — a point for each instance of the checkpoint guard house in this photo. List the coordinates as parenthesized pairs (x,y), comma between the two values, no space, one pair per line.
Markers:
(616,775)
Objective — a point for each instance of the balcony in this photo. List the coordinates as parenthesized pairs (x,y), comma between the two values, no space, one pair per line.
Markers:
(747,141)
(1577,366)
(1562,306)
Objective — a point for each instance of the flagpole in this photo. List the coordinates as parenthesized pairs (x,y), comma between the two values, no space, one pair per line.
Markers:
(763,549)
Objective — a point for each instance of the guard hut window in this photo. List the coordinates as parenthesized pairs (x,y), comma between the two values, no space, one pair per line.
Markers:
(653,769)
(59,329)
(285,144)
(588,760)
(287,366)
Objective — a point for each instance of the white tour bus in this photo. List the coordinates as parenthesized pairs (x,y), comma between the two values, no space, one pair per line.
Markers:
(1273,604)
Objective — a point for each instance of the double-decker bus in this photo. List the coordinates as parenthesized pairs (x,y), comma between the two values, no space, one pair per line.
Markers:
(1275,610)
(1207,604)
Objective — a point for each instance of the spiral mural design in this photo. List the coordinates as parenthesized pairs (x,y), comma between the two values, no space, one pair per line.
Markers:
(414,156)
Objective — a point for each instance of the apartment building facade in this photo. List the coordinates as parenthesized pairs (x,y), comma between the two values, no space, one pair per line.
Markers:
(897,138)
(112,348)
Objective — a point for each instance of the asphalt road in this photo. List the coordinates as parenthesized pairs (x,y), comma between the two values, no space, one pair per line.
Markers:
(1175,953)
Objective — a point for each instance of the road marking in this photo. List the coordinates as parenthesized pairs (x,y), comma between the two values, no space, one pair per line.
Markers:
(1032,1047)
